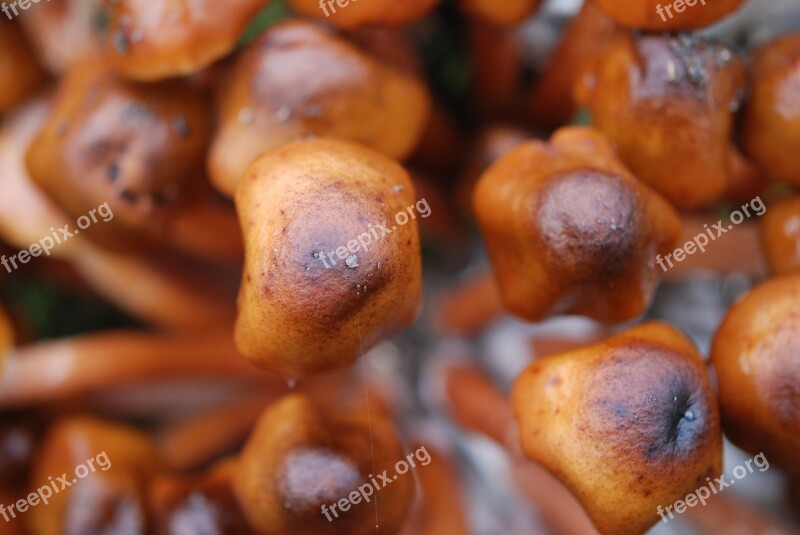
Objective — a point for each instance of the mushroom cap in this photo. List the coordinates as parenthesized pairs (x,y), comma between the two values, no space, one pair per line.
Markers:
(570,230)
(755,356)
(644,14)
(136,149)
(771,127)
(352,14)
(301,457)
(151,40)
(627,425)
(667,104)
(298,80)
(19,70)
(329,268)
(109,495)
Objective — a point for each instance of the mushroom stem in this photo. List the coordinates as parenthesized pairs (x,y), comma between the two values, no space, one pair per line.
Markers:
(57,370)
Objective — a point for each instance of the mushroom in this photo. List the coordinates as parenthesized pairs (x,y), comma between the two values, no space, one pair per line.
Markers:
(652,15)
(627,425)
(303,460)
(771,126)
(164,289)
(106,467)
(19,71)
(351,14)
(132,153)
(61,369)
(151,40)
(755,356)
(323,284)
(668,104)
(345,94)
(570,230)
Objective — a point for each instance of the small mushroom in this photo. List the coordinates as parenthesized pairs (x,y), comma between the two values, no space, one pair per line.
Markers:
(149,40)
(299,80)
(132,153)
(771,127)
(668,104)
(302,458)
(755,356)
(780,235)
(115,462)
(323,284)
(570,230)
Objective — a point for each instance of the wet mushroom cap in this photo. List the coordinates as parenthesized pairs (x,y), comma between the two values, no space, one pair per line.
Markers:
(330,267)
(668,105)
(151,40)
(755,356)
(570,230)
(298,80)
(302,457)
(771,127)
(137,148)
(115,463)
(628,424)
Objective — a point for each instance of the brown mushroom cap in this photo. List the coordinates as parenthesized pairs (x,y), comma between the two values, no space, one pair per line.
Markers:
(771,128)
(111,495)
(312,297)
(755,355)
(570,230)
(302,457)
(6,335)
(667,103)
(137,148)
(155,39)
(644,14)
(628,425)
(351,14)
(19,71)
(299,80)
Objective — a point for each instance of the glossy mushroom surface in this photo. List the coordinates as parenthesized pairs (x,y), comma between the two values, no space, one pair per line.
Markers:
(570,230)
(755,356)
(299,80)
(323,284)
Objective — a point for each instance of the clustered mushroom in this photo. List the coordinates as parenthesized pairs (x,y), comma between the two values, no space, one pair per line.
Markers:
(223,208)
